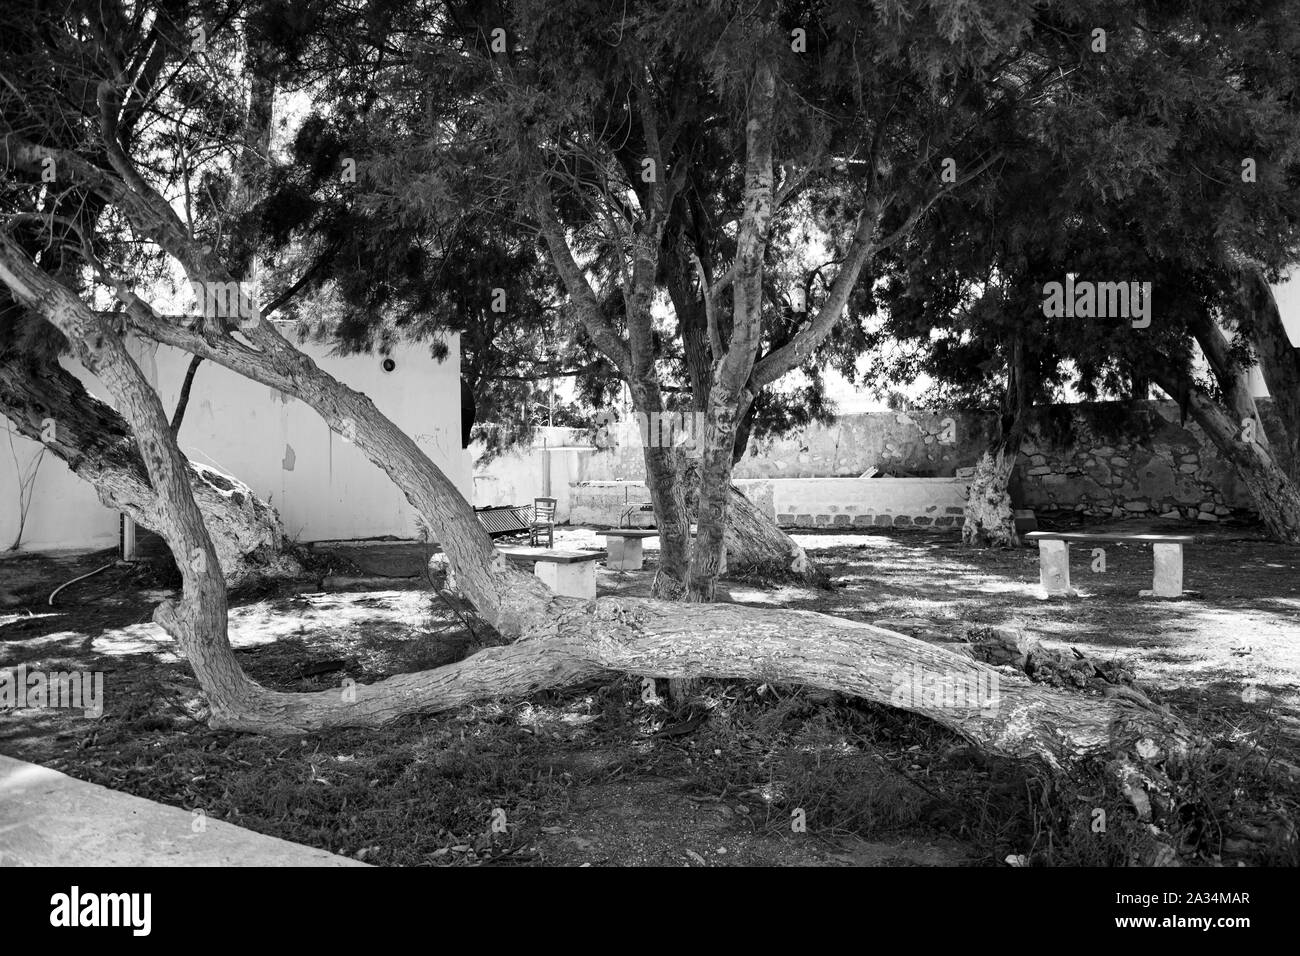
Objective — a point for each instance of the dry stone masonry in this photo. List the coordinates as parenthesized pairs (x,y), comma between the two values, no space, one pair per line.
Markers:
(1103,460)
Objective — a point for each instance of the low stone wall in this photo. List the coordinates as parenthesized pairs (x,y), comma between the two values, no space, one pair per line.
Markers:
(919,443)
(1152,466)
(796,502)
(867,502)
(1101,460)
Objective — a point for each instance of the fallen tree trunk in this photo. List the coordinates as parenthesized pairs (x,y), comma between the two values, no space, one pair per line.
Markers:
(999,711)
(97,445)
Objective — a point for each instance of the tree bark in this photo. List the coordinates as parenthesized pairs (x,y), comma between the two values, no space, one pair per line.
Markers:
(1279,362)
(754,541)
(729,397)
(989,517)
(198,621)
(96,444)
(1275,495)
(183,400)
(645,637)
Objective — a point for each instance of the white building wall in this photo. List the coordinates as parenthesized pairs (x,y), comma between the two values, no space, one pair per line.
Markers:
(65,511)
(322,486)
(1287,295)
(548,467)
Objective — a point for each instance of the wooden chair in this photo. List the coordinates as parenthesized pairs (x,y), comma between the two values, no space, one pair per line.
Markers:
(543,521)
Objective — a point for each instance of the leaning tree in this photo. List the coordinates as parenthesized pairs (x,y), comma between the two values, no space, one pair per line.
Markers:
(51,97)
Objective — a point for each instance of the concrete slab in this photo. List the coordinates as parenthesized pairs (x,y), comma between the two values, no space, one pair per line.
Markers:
(50,819)
(1054,567)
(625,554)
(1168,580)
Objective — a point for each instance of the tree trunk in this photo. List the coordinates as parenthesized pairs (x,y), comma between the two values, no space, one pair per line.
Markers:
(198,622)
(692,326)
(183,400)
(1002,713)
(1276,497)
(989,518)
(730,396)
(755,543)
(1233,379)
(96,444)
(1279,361)
(663,478)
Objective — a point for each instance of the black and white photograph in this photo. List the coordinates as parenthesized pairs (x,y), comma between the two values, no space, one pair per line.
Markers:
(515,434)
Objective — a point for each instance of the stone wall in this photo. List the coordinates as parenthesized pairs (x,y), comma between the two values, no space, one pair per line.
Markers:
(796,502)
(1102,460)
(911,444)
(1145,463)
(866,502)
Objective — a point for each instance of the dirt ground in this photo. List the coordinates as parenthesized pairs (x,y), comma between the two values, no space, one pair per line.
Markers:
(595,775)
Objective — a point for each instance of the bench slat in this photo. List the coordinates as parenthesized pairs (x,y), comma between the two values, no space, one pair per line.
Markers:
(1140,538)
(552,556)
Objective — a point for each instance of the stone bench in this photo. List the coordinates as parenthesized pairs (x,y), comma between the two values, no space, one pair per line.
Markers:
(624,547)
(1054,559)
(570,573)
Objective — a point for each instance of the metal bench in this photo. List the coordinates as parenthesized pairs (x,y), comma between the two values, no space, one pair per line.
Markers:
(625,548)
(503,520)
(570,573)
(1054,559)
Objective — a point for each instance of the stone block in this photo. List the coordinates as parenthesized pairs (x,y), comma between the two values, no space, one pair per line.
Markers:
(1054,568)
(1168,581)
(571,580)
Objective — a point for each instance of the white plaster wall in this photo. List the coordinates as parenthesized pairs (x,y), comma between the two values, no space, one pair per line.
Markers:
(322,486)
(603,503)
(65,511)
(513,478)
(521,475)
(1287,295)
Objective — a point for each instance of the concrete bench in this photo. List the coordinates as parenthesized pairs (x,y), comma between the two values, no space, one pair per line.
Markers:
(570,573)
(626,552)
(1054,559)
